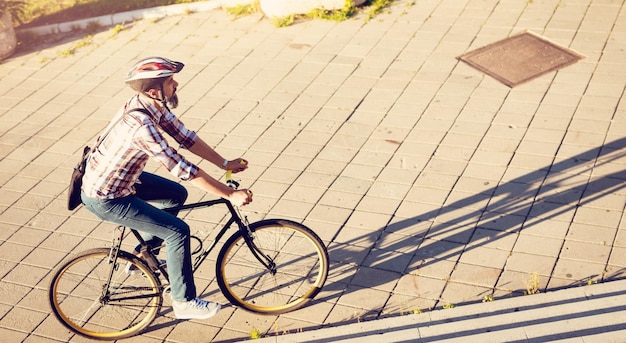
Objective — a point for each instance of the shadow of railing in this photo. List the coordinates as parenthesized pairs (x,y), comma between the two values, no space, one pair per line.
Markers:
(555,191)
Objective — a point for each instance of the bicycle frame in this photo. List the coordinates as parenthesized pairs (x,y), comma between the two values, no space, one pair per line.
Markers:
(235,218)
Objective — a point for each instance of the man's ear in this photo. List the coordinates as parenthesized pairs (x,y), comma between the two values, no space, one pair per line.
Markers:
(153,92)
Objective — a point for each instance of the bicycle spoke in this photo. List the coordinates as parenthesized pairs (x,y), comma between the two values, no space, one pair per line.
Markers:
(297,275)
(88,304)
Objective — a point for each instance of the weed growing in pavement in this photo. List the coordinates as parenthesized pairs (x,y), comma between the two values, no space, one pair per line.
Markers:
(532,285)
(414,311)
(241,10)
(115,30)
(283,21)
(346,12)
(376,7)
(86,41)
(448,306)
(342,14)
(256,334)
(488,298)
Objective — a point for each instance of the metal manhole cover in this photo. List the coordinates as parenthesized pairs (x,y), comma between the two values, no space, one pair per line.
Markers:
(520,58)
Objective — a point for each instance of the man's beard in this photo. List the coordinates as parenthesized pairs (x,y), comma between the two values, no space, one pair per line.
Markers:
(172,101)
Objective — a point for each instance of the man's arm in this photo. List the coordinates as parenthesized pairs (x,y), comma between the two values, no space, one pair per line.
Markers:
(205,182)
(203,150)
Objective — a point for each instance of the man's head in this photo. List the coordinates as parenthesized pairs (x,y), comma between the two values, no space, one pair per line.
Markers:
(148,76)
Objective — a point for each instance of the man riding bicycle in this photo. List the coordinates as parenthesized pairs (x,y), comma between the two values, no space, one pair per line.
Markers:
(116,189)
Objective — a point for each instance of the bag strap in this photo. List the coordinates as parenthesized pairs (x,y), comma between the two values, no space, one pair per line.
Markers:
(112,124)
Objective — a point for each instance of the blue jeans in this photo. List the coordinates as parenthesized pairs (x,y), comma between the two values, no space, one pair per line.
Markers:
(155,225)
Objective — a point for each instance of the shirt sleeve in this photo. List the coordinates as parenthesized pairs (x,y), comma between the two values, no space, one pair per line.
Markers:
(177,130)
(150,140)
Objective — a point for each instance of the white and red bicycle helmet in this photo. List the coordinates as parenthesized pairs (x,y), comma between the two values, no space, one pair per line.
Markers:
(149,71)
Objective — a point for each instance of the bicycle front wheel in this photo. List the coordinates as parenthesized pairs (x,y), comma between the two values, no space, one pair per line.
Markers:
(290,271)
(93,295)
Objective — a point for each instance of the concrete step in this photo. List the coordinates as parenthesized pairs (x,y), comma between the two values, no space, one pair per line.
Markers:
(594,313)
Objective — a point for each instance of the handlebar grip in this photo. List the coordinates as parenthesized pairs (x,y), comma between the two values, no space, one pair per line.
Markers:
(229,177)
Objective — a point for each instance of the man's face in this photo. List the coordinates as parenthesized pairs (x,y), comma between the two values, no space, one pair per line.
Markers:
(169,88)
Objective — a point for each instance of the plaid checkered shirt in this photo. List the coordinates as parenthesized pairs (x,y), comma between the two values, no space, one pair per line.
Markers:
(114,167)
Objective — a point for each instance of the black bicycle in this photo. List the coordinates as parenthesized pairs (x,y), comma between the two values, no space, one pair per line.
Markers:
(271,266)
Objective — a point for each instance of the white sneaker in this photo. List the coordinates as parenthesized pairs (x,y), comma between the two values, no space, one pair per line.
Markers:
(131,269)
(195,309)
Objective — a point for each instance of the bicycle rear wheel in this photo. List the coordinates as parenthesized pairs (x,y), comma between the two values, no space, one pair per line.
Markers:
(81,301)
(299,267)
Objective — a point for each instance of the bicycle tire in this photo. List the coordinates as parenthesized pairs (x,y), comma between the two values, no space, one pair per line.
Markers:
(301,260)
(77,300)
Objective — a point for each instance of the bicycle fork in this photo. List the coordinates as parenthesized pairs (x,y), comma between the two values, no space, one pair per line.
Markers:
(248,237)
(116,245)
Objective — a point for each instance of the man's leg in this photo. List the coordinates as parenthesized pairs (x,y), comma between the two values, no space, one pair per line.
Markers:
(162,193)
(133,212)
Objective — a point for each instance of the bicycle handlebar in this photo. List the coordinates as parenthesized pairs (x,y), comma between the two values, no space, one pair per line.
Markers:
(229,177)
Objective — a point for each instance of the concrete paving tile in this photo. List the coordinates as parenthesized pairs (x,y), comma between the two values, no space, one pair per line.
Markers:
(475,275)
(434,180)
(15,319)
(461,199)
(314,315)
(340,199)
(368,220)
(398,243)
(411,227)
(44,258)
(419,287)
(620,238)
(191,331)
(431,267)
(577,272)
(456,294)
(546,228)
(303,193)
(439,250)
(33,300)
(529,263)
(378,205)
(423,195)
(378,159)
(27,275)
(600,217)
(501,221)
(485,257)
(538,245)
(389,189)
(400,304)
(17,183)
(559,195)
(347,315)
(530,162)
(388,260)
(290,209)
(513,283)
(11,334)
(352,182)
(590,252)
(364,238)
(13,293)
(374,278)
(369,300)
(617,257)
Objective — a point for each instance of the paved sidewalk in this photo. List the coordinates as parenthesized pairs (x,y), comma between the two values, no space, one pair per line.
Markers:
(433,185)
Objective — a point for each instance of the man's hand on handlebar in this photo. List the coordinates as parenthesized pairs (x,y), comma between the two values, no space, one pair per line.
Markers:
(240,197)
(236,165)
